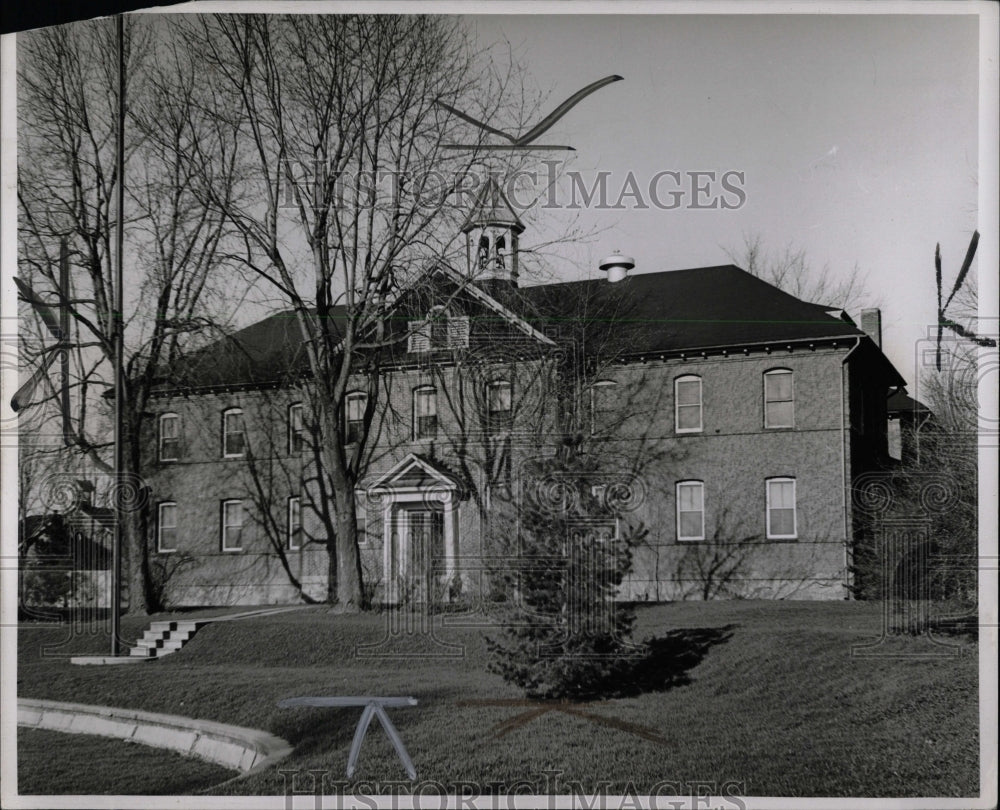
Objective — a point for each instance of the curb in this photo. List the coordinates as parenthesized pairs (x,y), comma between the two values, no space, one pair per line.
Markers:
(243,749)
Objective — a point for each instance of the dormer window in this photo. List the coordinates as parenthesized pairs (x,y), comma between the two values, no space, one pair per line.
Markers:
(439,331)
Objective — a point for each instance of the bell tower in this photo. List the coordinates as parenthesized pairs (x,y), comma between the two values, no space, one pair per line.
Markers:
(491,232)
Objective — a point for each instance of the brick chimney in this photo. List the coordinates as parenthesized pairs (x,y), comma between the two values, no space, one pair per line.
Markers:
(871,324)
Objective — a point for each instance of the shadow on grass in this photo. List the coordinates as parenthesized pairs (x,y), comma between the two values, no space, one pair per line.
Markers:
(668,659)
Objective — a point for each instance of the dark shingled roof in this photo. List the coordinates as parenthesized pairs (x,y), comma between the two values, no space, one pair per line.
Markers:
(703,308)
(899,402)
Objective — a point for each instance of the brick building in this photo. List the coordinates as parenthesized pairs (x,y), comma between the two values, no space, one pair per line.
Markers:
(726,416)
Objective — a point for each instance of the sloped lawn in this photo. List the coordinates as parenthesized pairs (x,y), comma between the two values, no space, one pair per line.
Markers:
(764,697)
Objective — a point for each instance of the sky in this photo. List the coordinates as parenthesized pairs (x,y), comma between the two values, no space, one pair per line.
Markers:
(857,137)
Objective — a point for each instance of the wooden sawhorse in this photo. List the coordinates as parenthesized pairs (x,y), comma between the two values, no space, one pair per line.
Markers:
(373,707)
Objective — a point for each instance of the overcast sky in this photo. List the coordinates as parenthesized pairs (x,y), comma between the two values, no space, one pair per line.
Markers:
(857,137)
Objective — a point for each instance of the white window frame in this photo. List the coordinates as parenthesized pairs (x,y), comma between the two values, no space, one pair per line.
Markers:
(692,483)
(352,397)
(295,409)
(494,429)
(224,525)
(424,389)
(795,508)
(771,374)
(596,429)
(160,526)
(688,378)
(294,517)
(225,432)
(175,418)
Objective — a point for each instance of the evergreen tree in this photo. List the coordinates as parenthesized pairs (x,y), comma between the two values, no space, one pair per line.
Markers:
(562,632)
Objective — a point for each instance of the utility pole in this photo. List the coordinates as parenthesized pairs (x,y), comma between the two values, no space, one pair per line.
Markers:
(119,327)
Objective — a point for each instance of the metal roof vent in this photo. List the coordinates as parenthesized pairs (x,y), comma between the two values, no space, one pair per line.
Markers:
(617,266)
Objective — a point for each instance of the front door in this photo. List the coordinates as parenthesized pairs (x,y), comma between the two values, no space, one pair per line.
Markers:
(420,554)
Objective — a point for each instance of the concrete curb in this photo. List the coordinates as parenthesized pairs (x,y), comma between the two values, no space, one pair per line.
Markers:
(236,747)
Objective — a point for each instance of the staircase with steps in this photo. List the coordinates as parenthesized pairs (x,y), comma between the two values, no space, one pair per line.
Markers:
(163,638)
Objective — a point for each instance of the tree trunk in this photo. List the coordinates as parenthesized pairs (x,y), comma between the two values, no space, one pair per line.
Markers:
(131,506)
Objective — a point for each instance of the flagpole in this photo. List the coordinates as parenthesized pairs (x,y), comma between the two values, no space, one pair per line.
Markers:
(119,326)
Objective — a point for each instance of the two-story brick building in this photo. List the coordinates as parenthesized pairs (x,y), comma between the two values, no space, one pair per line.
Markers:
(726,416)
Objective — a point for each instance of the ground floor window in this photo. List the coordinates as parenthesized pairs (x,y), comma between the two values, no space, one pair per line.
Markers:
(690,510)
(166,527)
(781,517)
(232,525)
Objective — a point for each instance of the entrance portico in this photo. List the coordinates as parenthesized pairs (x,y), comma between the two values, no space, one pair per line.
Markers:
(419,502)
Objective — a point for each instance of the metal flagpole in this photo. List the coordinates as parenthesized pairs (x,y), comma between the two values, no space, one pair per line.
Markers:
(119,326)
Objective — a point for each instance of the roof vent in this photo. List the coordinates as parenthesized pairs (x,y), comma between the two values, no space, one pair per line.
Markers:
(617,266)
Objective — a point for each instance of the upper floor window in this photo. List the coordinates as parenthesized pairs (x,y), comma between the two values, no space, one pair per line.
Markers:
(779,399)
(166,527)
(354,415)
(687,404)
(232,525)
(170,437)
(438,331)
(295,434)
(690,510)
(602,405)
(498,405)
(425,420)
(233,434)
(294,523)
(781,517)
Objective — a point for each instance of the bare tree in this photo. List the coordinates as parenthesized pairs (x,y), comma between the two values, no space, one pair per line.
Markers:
(347,191)
(791,271)
(67,179)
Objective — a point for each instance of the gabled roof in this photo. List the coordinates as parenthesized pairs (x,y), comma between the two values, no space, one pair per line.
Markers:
(492,208)
(899,402)
(707,308)
(417,473)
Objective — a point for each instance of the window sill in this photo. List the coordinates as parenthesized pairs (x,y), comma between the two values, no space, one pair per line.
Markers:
(689,430)
(232,551)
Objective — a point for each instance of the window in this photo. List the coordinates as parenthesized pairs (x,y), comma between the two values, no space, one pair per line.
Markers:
(779,403)
(233,437)
(166,527)
(498,401)
(690,510)
(294,523)
(170,430)
(295,428)
(781,509)
(687,404)
(355,417)
(602,405)
(232,525)
(425,420)
(438,331)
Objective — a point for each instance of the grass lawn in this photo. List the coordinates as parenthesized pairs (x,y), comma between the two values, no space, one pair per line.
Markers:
(82,763)
(764,694)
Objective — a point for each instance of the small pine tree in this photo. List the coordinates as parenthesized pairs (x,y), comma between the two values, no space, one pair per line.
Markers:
(562,633)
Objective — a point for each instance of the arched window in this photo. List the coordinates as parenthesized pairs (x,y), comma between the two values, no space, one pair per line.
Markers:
(687,404)
(295,431)
(779,398)
(498,405)
(425,419)
(602,405)
(499,249)
(690,510)
(354,417)
(782,521)
(484,252)
(170,437)
(233,434)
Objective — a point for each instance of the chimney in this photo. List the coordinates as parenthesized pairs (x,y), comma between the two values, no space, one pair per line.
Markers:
(617,266)
(871,324)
